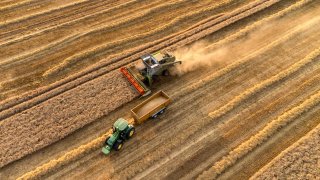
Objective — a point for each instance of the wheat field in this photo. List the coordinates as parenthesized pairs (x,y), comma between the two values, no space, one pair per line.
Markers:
(246,102)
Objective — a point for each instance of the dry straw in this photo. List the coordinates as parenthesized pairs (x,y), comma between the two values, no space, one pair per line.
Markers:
(55,119)
(18,104)
(35,14)
(73,38)
(73,80)
(61,25)
(69,156)
(257,24)
(302,150)
(77,36)
(270,129)
(12,6)
(242,32)
(52,165)
(101,48)
(265,84)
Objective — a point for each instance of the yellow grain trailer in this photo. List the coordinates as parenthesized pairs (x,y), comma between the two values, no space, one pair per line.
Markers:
(151,107)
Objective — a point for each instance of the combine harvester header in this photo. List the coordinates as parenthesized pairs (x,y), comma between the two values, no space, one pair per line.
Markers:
(136,82)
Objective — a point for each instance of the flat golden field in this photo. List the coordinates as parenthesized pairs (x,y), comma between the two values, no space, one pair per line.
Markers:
(245,100)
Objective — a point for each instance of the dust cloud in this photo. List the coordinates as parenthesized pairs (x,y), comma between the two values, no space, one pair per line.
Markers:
(207,54)
(197,56)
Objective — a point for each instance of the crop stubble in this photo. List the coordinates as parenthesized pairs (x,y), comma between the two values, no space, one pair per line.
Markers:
(297,161)
(259,3)
(43,143)
(186,37)
(87,42)
(92,72)
(56,118)
(270,128)
(161,151)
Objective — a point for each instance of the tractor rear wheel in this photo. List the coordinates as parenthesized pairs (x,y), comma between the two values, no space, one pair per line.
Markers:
(130,132)
(118,145)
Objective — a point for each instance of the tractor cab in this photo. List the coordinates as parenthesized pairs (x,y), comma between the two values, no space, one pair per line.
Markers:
(120,125)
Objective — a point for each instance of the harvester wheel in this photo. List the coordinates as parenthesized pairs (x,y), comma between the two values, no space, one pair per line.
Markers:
(166,72)
(130,132)
(118,145)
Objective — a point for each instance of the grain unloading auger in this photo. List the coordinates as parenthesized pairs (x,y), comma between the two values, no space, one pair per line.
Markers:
(156,64)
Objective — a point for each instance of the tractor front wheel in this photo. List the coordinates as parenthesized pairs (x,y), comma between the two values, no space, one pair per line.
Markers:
(130,132)
(118,145)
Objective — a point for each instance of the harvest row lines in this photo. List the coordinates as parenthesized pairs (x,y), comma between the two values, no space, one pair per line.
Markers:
(87,75)
(12,154)
(186,132)
(289,72)
(270,129)
(234,128)
(241,33)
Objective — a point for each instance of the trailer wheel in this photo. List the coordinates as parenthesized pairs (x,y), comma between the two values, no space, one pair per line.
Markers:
(118,145)
(130,132)
(162,111)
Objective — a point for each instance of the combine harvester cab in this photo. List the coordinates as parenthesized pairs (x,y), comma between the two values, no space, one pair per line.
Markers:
(154,65)
(123,130)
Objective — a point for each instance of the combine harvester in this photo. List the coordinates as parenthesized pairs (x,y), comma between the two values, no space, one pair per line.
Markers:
(124,129)
(156,64)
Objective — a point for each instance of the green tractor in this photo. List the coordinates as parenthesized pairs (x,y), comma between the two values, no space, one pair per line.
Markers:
(122,131)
